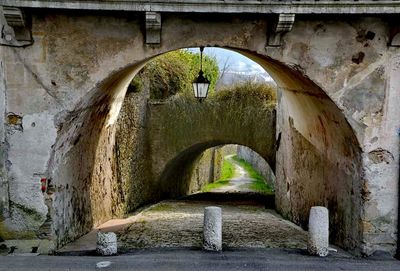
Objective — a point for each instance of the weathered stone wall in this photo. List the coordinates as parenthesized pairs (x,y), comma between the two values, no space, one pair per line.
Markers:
(258,163)
(351,61)
(206,169)
(134,186)
(63,96)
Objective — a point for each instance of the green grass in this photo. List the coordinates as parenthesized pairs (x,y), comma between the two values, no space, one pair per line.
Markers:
(258,183)
(227,173)
(228,170)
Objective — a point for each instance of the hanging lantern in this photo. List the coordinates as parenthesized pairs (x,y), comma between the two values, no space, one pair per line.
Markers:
(201,84)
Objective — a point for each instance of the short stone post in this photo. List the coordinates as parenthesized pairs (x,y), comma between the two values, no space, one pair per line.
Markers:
(318,231)
(106,244)
(212,231)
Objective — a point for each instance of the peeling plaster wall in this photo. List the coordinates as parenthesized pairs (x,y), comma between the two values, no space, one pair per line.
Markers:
(381,163)
(30,134)
(305,175)
(4,201)
(71,82)
(30,149)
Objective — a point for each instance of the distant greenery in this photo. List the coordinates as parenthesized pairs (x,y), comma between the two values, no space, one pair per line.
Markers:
(227,173)
(258,183)
(173,73)
(263,91)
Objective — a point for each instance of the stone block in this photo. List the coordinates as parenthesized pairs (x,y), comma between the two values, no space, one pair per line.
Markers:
(212,229)
(318,231)
(106,244)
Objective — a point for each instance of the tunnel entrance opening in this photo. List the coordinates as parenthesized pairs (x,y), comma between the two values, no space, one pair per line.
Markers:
(220,177)
(308,148)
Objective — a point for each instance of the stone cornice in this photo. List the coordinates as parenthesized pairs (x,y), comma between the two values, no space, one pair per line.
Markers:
(221,6)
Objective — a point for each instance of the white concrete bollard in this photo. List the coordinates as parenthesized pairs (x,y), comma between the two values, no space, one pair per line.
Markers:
(318,231)
(106,244)
(212,231)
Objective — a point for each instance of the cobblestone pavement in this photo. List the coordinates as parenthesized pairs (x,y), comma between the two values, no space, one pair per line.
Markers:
(179,224)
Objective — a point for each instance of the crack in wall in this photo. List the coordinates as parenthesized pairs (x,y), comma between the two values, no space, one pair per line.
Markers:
(48,90)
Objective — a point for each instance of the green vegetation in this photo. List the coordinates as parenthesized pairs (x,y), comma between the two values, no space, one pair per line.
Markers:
(243,91)
(258,183)
(227,173)
(173,73)
(6,234)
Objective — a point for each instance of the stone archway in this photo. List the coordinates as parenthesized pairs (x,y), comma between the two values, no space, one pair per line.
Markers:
(319,157)
(322,165)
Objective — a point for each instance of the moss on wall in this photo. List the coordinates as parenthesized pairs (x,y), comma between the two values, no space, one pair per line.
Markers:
(134,183)
(7,234)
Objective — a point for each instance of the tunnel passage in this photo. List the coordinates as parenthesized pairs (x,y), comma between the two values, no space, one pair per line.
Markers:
(315,164)
(179,129)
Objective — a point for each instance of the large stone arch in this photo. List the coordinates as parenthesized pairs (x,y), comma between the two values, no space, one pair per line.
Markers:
(82,64)
(310,123)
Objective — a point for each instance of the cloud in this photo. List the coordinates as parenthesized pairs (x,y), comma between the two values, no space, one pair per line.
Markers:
(237,63)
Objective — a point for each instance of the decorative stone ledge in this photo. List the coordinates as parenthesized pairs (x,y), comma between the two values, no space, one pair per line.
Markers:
(14,28)
(222,6)
(153,27)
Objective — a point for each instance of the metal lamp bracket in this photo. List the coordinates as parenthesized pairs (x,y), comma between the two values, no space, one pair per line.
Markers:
(14,29)
(282,24)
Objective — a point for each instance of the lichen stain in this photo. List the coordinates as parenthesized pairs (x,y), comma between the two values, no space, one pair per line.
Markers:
(380,155)
(14,119)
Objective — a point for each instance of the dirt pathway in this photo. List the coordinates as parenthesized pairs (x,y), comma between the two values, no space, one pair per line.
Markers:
(240,183)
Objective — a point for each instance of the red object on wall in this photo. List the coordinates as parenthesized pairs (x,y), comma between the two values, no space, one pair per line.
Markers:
(43,181)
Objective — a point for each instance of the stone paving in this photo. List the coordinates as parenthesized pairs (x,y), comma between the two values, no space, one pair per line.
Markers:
(180,223)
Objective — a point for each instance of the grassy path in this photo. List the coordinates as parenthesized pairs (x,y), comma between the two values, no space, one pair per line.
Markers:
(238,176)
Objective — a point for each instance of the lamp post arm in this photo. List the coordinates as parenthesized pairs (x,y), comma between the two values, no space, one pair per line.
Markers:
(201,57)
